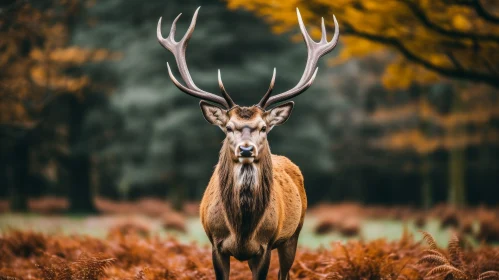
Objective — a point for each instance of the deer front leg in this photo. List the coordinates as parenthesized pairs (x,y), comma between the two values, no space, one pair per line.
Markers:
(259,265)
(287,253)
(221,264)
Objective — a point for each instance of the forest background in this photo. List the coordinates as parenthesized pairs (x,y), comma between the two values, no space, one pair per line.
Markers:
(403,112)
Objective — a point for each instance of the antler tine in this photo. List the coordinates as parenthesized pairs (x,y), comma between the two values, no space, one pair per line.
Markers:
(190,30)
(196,93)
(323,31)
(303,29)
(225,94)
(178,51)
(314,52)
(262,102)
(168,42)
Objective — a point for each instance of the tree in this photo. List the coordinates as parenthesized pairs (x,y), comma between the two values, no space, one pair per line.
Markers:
(168,149)
(450,38)
(34,75)
(423,42)
(442,118)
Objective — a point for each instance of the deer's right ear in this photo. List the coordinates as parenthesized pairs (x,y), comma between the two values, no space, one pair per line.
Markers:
(213,114)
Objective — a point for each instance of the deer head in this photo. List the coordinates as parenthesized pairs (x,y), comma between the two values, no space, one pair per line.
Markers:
(246,128)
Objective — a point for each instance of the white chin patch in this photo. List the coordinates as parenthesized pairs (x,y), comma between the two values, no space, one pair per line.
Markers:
(246,160)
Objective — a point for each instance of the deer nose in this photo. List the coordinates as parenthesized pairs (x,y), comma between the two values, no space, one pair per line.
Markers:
(246,151)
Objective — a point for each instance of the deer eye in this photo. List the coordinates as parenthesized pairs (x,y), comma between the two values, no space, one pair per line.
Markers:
(228,128)
(264,128)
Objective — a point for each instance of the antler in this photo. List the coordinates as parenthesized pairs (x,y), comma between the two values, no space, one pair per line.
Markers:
(266,97)
(315,51)
(178,50)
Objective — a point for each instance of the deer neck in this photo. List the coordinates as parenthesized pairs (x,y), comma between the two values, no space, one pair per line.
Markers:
(245,190)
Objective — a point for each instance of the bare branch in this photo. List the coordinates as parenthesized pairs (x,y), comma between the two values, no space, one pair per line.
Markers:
(454,60)
(481,11)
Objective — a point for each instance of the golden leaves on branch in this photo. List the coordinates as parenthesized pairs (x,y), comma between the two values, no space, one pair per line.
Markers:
(357,48)
(400,74)
(445,38)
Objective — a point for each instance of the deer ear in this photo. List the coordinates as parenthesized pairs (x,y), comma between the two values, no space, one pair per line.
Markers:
(213,114)
(279,115)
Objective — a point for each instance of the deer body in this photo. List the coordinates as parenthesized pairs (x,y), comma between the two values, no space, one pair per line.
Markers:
(257,226)
(255,201)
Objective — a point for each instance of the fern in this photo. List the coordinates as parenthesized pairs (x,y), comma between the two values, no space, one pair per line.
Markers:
(489,275)
(455,252)
(433,252)
(90,268)
(55,268)
(140,275)
(430,240)
(453,265)
(167,259)
(446,270)
(8,278)
(26,244)
(433,259)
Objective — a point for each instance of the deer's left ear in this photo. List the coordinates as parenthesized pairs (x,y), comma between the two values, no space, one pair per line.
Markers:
(279,115)
(214,114)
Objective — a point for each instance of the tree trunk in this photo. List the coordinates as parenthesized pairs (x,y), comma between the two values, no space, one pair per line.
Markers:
(457,169)
(426,188)
(19,176)
(457,161)
(80,190)
(78,162)
(18,197)
(426,158)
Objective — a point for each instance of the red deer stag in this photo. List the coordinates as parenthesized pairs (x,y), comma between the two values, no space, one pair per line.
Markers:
(255,201)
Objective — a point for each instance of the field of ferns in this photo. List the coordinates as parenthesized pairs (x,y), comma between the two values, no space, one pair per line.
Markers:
(130,248)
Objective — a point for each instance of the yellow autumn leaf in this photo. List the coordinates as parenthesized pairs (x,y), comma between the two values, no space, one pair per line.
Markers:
(461,22)
(395,27)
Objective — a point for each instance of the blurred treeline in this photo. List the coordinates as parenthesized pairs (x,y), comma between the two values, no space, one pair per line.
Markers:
(87,108)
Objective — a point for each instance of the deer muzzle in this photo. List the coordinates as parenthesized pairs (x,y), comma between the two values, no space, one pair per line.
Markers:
(246,152)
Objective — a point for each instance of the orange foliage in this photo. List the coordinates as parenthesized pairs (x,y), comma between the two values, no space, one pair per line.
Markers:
(35,57)
(478,108)
(430,40)
(476,113)
(455,265)
(174,221)
(430,37)
(30,255)
(150,207)
(48,205)
(417,141)
(130,228)
(346,218)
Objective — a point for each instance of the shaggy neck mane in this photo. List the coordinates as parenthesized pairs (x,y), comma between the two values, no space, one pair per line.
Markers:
(245,190)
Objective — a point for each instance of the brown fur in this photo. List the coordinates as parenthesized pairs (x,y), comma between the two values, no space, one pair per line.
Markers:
(284,198)
(249,209)
(246,113)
